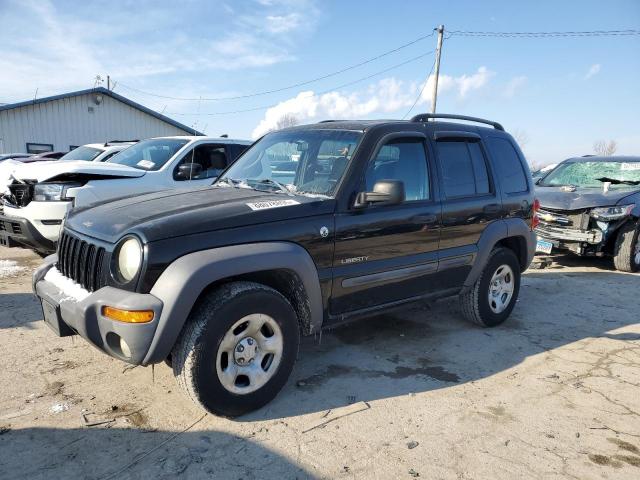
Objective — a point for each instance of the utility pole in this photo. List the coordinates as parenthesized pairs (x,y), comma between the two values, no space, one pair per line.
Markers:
(434,92)
(108,82)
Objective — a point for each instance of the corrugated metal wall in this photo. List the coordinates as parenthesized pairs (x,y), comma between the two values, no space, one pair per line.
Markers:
(76,121)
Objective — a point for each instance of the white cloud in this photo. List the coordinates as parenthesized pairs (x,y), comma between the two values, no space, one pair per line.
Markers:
(593,70)
(56,48)
(386,96)
(515,84)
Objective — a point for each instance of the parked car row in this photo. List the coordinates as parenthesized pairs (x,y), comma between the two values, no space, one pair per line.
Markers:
(172,252)
(38,197)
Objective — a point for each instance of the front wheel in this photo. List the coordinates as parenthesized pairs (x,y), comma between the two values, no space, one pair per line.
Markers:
(626,256)
(238,348)
(491,299)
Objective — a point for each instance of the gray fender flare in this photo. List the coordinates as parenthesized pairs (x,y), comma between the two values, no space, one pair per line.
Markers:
(183,281)
(496,231)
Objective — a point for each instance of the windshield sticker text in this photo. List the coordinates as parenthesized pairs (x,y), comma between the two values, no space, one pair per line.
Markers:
(272,204)
(630,166)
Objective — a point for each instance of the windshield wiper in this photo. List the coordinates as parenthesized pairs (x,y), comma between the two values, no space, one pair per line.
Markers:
(229,181)
(617,181)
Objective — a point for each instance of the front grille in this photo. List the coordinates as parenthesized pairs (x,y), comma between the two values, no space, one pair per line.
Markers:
(81,261)
(573,219)
(11,227)
(21,193)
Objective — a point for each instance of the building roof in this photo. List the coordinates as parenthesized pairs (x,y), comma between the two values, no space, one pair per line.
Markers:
(110,93)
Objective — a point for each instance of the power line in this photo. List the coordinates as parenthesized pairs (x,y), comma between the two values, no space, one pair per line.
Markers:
(265,107)
(424,85)
(288,87)
(588,33)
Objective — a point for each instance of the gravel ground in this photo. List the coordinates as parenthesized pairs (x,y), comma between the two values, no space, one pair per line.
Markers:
(553,393)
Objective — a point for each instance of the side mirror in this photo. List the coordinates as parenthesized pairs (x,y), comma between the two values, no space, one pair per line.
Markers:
(188,171)
(387,192)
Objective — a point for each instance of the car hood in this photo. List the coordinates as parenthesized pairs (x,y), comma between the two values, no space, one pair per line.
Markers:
(51,170)
(557,198)
(166,214)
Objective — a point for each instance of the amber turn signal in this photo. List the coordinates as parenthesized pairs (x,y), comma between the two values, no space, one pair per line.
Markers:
(128,316)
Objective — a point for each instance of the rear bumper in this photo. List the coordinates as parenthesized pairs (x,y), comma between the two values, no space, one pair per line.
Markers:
(81,311)
(20,232)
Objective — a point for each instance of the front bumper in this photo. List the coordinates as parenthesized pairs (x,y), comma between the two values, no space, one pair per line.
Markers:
(81,312)
(593,237)
(20,232)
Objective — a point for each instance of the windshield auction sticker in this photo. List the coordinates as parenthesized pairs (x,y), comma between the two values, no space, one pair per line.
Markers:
(630,166)
(272,204)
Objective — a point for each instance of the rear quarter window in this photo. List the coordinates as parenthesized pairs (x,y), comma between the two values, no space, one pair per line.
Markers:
(508,165)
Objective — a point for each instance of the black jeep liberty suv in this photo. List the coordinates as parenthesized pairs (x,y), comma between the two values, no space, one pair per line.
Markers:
(313,226)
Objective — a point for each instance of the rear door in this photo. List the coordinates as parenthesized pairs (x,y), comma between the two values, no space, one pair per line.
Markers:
(469,202)
(386,253)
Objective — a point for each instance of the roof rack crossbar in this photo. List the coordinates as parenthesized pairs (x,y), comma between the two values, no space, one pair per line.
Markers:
(424,117)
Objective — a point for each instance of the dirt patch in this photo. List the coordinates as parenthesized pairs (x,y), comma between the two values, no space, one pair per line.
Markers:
(435,372)
(604,460)
(629,447)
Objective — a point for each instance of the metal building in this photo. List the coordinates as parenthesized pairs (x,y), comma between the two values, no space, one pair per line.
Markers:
(63,122)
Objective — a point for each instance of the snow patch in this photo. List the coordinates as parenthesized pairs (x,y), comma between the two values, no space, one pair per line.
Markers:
(10,268)
(59,407)
(71,289)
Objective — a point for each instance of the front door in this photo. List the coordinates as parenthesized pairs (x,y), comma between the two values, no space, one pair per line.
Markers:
(387,253)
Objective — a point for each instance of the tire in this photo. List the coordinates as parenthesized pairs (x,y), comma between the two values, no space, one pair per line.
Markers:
(626,254)
(203,361)
(476,305)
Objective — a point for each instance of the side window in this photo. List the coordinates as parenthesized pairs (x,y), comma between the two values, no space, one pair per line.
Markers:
(508,165)
(464,170)
(211,158)
(405,160)
(238,150)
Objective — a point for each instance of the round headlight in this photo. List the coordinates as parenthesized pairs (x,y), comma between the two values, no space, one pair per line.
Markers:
(129,259)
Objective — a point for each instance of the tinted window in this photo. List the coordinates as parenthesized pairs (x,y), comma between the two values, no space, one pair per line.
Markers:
(405,160)
(464,170)
(149,154)
(512,176)
(82,153)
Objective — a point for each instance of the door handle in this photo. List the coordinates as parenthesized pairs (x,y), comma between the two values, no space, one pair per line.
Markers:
(427,219)
(491,208)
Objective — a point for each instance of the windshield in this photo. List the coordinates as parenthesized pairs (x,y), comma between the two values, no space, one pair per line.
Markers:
(82,153)
(308,162)
(586,174)
(149,154)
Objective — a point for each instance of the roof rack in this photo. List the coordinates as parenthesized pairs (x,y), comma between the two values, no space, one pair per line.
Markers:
(425,117)
(106,144)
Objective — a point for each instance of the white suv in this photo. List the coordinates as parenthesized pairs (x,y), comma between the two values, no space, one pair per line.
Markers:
(40,196)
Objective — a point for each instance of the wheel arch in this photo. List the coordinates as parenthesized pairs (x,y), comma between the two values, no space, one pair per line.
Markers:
(512,233)
(284,266)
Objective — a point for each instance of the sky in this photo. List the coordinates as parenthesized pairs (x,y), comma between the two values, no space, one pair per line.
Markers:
(556,95)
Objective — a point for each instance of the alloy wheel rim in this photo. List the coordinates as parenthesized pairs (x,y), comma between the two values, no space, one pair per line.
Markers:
(501,289)
(249,354)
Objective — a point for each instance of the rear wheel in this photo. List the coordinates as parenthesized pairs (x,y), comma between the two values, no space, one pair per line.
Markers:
(626,255)
(492,298)
(238,348)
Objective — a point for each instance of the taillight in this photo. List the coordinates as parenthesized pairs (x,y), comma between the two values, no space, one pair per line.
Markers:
(535,221)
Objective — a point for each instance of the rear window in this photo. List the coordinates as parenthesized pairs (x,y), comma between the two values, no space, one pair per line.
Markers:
(512,176)
(82,153)
(464,169)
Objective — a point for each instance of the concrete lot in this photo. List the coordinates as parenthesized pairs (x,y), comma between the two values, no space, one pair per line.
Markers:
(553,393)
